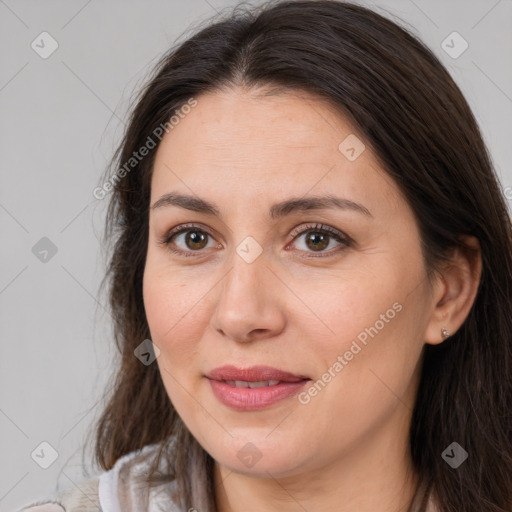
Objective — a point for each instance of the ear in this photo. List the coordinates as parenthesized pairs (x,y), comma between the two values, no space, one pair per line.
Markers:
(455,290)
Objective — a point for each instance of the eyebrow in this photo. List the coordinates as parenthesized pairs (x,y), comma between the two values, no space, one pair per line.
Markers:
(277,211)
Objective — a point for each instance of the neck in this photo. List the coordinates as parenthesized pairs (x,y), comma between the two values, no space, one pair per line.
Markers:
(375,475)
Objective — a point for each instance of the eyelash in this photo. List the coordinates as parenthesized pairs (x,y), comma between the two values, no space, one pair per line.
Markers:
(314,228)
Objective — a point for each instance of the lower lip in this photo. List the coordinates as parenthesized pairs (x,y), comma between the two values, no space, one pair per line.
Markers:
(253,399)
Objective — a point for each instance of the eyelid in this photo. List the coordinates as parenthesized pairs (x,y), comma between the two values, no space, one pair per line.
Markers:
(303,228)
(188,226)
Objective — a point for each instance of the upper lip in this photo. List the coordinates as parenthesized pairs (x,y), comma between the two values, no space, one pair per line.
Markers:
(253,374)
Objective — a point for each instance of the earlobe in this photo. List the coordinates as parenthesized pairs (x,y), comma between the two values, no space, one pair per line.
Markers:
(455,291)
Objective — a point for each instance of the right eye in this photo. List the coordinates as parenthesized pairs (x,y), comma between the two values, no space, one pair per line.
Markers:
(188,239)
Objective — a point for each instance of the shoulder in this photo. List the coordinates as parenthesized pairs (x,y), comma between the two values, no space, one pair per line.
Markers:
(116,490)
(82,498)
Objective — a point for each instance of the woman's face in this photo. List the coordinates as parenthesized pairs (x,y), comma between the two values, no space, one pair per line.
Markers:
(256,282)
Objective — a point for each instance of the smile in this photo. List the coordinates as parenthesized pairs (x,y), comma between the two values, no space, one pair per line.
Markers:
(254,388)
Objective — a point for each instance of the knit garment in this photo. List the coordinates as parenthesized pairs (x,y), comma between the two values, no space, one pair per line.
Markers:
(116,490)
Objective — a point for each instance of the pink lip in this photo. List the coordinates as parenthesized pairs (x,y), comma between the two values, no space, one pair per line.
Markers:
(251,399)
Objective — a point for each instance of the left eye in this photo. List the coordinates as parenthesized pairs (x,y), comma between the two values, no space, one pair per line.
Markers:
(317,240)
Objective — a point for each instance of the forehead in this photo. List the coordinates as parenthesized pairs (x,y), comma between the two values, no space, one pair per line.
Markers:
(284,143)
(241,120)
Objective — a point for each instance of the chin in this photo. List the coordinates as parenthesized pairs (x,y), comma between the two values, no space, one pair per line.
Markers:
(258,454)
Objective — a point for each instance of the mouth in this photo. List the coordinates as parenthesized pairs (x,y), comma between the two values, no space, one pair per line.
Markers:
(252,385)
(254,388)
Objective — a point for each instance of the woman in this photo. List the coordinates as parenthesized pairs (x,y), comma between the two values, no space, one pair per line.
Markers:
(311,279)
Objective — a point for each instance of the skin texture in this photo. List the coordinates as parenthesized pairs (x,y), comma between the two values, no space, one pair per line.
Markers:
(347,448)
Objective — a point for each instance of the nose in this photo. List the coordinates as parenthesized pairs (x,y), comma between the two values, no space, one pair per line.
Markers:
(249,306)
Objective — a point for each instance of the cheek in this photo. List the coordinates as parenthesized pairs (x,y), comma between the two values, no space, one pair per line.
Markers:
(371,320)
(178,309)
(172,314)
(345,306)
(170,302)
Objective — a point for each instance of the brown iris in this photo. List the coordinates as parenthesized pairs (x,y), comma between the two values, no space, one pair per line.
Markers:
(318,240)
(196,239)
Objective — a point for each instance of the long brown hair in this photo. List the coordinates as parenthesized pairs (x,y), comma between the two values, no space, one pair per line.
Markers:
(416,120)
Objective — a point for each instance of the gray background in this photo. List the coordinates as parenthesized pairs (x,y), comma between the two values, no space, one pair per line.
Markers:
(60,120)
